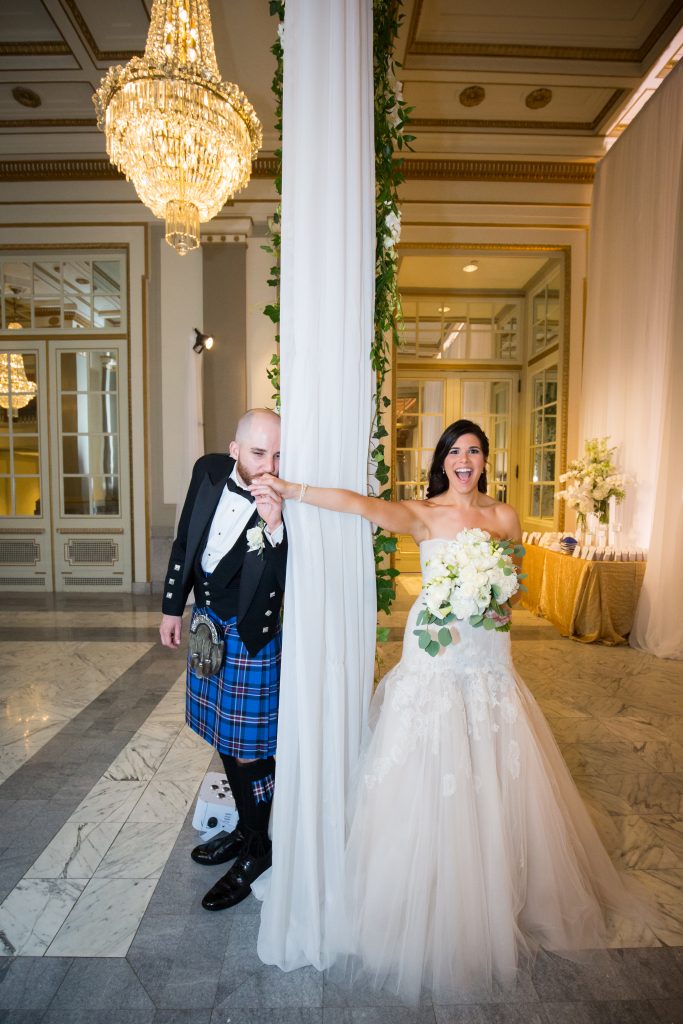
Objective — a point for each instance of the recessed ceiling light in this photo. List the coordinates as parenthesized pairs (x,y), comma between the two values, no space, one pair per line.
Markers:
(444,309)
(470,267)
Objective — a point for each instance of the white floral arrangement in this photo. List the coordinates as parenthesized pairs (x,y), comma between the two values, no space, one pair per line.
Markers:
(474,577)
(591,481)
(255,539)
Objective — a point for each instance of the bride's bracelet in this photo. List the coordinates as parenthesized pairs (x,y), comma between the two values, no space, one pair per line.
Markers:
(302,492)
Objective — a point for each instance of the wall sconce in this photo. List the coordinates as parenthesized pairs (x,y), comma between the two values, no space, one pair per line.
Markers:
(202,341)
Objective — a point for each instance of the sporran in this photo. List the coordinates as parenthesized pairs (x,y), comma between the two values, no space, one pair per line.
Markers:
(206,649)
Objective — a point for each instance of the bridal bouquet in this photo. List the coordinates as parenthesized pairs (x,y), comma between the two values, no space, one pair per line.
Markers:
(473,577)
(591,481)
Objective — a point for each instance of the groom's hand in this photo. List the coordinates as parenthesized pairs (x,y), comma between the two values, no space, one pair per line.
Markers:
(268,504)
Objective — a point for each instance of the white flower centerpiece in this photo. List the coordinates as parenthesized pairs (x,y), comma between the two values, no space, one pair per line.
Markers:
(473,578)
(591,481)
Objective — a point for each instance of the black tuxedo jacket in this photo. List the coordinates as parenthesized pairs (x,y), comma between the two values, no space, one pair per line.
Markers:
(262,580)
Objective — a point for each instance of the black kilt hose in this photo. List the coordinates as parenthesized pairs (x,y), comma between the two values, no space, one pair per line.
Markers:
(236,709)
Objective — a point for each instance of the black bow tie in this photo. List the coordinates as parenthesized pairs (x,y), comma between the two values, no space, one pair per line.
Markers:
(236,489)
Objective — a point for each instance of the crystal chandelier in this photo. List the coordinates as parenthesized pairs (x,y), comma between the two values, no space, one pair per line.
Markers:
(16,390)
(182,136)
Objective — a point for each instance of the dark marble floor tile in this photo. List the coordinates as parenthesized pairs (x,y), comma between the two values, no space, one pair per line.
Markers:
(378,1015)
(621,1012)
(668,1011)
(30,983)
(192,982)
(100,984)
(297,1015)
(604,976)
(21,1016)
(88,1015)
(655,973)
(182,1017)
(153,971)
(492,1013)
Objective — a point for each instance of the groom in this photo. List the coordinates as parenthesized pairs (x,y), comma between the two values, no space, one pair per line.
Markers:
(232,550)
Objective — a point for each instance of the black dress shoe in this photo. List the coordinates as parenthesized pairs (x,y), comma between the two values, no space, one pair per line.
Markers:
(220,849)
(235,886)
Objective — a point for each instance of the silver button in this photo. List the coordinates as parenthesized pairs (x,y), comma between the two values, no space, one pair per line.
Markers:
(170,582)
(208,603)
(265,629)
(169,594)
(269,612)
(176,566)
(272,594)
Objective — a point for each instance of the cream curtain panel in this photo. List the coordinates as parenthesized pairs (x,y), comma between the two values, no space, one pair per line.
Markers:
(633,360)
(328,236)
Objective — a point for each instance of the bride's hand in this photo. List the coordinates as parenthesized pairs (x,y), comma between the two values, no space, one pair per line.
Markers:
(273,487)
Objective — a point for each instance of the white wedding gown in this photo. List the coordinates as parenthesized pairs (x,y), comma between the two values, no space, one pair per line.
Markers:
(469,845)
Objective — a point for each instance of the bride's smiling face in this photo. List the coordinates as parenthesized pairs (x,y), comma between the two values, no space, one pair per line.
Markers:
(464,463)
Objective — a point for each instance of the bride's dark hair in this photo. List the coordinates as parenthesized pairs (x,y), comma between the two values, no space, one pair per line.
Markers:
(438,481)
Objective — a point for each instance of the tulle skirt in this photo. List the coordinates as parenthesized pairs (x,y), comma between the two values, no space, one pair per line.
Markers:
(469,846)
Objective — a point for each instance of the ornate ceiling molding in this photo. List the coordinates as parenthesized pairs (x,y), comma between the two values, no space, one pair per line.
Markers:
(84,29)
(536,171)
(47,49)
(628,55)
(414,169)
(94,169)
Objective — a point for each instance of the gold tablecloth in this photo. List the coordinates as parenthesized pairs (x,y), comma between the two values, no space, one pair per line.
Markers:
(587,601)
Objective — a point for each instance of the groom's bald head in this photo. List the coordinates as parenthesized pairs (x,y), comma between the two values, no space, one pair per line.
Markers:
(257,444)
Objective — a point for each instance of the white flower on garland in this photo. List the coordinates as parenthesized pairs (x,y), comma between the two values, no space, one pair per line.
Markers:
(591,481)
(281,33)
(255,539)
(393,225)
(472,577)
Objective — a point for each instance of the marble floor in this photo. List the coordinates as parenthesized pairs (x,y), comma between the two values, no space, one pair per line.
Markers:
(100,916)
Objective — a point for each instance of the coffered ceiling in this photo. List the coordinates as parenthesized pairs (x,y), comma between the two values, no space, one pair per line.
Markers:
(488,80)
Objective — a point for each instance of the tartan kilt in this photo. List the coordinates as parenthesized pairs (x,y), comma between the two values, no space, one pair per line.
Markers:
(236,710)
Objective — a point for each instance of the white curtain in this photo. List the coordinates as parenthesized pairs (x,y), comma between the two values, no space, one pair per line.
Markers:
(326,328)
(632,360)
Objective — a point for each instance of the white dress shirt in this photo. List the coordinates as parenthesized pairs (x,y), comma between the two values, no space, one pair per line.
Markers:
(232,514)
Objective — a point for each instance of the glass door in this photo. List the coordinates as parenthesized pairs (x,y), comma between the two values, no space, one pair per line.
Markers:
(424,406)
(25,529)
(91,488)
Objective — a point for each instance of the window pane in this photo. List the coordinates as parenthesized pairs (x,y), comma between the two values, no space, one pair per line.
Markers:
(85,414)
(547,503)
(26,454)
(104,455)
(536,501)
(406,465)
(551,390)
(105,496)
(406,492)
(5,496)
(75,454)
(76,496)
(431,431)
(28,495)
(549,428)
(47,281)
(538,391)
(431,397)
(107,276)
(406,432)
(4,453)
(548,464)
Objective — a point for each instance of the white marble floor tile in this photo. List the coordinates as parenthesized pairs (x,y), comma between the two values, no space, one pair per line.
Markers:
(76,850)
(33,913)
(140,850)
(168,798)
(105,918)
(109,800)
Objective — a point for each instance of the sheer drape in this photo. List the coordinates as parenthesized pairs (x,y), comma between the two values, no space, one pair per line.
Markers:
(632,360)
(326,329)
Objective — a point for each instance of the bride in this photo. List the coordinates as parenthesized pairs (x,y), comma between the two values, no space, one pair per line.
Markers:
(469,846)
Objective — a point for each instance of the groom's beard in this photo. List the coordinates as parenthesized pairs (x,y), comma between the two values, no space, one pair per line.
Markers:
(246,475)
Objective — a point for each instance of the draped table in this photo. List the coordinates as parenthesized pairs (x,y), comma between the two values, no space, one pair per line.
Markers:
(589,601)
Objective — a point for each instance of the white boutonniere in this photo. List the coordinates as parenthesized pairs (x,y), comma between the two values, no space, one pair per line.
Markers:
(255,539)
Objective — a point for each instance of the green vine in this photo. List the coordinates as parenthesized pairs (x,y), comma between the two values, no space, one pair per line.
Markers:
(391,120)
(272,311)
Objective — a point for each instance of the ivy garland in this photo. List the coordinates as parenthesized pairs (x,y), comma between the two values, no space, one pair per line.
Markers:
(391,120)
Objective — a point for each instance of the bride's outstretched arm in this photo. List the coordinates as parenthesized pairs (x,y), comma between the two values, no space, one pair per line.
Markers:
(394,516)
